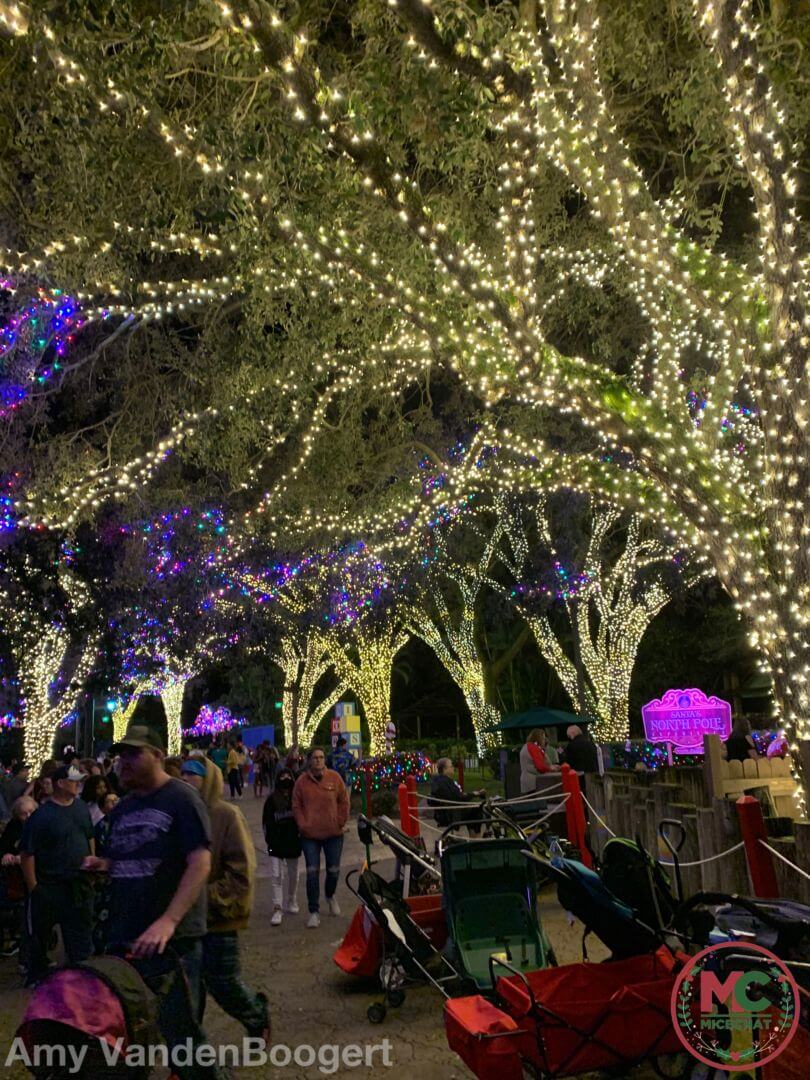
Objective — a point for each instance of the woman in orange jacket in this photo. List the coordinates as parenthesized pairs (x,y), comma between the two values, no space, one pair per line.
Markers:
(321,809)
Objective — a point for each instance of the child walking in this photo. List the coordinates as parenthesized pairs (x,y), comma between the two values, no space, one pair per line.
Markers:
(283,846)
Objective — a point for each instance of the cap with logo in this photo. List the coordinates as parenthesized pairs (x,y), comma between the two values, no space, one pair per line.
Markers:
(67,772)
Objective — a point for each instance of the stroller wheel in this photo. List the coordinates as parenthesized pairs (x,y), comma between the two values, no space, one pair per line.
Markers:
(376,1013)
(396,998)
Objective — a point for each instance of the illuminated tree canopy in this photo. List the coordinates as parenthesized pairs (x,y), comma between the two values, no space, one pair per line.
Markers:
(313,264)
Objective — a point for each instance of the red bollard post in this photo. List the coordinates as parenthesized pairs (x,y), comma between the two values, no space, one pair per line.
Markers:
(460,773)
(404,809)
(413,807)
(575,812)
(759,859)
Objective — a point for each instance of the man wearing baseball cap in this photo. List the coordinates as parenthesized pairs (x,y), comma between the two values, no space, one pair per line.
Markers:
(158,857)
(55,841)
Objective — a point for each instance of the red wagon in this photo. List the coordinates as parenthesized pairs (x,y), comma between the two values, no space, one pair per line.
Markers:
(569,1020)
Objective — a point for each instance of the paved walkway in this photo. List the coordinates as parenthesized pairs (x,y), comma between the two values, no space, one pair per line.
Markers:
(312,1001)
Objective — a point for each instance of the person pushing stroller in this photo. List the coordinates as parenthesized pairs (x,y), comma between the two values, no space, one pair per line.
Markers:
(158,856)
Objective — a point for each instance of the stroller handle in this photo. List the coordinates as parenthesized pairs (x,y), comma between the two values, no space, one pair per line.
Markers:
(405,853)
(349,885)
(667,825)
(503,821)
(497,813)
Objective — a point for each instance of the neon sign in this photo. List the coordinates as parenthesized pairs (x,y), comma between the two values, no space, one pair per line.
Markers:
(683,717)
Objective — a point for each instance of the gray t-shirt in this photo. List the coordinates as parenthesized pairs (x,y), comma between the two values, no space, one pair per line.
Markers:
(151,837)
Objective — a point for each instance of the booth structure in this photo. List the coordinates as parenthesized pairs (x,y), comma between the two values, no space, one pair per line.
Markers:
(346,723)
(252,736)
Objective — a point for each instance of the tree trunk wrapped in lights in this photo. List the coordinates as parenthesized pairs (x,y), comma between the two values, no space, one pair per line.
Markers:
(170,687)
(172,692)
(364,655)
(40,664)
(304,662)
(609,599)
(52,662)
(122,714)
(169,684)
(449,625)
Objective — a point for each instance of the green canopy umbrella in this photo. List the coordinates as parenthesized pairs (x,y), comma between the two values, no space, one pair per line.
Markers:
(540,717)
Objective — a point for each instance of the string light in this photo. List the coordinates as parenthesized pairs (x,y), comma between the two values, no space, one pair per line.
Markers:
(364,659)
(384,772)
(211,721)
(609,607)
(482,314)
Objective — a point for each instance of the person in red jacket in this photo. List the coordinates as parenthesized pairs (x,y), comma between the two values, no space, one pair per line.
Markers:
(533,760)
(321,809)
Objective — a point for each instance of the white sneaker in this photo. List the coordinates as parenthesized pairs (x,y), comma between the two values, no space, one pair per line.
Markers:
(292,907)
(314,921)
(334,906)
(275,918)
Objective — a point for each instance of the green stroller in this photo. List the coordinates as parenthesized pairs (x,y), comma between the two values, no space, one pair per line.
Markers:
(490,901)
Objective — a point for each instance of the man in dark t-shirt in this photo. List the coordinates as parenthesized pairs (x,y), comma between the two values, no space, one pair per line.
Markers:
(151,837)
(158,857)
(55,841)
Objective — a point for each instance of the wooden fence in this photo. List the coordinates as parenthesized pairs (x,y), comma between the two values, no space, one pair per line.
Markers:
(633,803)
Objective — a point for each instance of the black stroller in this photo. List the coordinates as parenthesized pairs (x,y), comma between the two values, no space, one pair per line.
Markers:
(411,936)
(782,926)
(416,870)
(629,904)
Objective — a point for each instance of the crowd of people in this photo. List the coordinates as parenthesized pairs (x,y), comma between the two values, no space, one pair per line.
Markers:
(143,855)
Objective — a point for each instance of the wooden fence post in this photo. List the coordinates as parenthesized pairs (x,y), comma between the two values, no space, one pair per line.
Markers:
(460,772)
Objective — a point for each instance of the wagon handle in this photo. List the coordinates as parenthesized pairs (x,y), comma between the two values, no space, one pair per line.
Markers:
(450,829)
(493,960)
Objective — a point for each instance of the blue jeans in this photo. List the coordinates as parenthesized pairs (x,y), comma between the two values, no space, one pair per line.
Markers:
(332,848)
(222,978)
